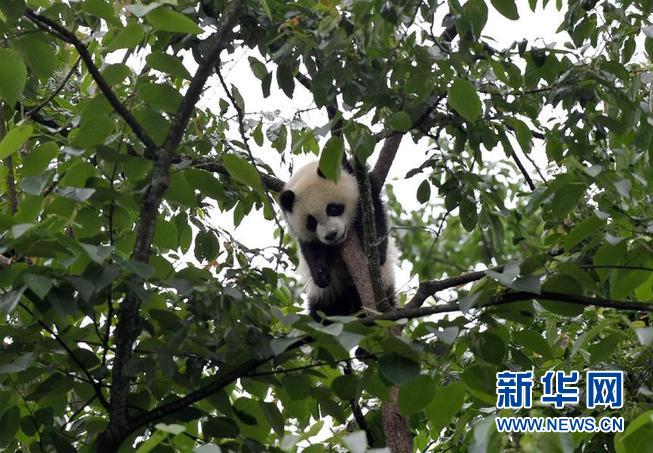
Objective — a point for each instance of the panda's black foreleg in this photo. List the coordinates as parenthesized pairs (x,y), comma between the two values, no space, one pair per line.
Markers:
(319,259)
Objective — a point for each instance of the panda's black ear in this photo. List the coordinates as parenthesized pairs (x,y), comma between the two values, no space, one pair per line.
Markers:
(320,174)
(347,166)
(287,200)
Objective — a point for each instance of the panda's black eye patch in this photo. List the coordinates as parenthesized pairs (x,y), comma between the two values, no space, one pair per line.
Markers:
(311,223)
(335,209)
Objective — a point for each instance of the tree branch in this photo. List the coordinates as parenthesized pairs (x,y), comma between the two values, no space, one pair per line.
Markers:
(356,410)
(128,326)
(384,162)
(430,287)
(271,183)
(96,386)
(369,238)
(397,431)
(57,90)
(221,380)
(63,33)
(412,313)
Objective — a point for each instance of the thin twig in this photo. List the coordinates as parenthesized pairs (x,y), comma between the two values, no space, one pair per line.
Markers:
(56,92)
(66,35)
(73,356)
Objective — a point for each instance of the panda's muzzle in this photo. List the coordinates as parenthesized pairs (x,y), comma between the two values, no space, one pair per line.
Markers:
(331,236)
(334,237)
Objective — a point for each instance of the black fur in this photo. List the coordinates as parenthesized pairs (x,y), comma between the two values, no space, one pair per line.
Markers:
(287,200)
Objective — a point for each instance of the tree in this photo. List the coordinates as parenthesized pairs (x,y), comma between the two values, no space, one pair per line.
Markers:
(115,337)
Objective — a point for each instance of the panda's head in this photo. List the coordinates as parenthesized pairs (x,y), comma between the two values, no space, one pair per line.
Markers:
(318,209)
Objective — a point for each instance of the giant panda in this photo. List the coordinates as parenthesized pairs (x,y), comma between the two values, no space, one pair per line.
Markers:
(320,213)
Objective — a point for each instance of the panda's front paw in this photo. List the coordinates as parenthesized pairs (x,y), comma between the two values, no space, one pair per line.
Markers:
(321,278)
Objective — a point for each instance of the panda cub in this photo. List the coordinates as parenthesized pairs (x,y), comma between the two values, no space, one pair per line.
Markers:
(320,214)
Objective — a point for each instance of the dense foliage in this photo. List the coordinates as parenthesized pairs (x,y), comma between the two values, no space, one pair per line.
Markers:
(130,317)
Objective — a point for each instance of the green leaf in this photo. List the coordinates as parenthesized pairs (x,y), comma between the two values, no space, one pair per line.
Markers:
(166,19)
(241,170)
(128,37)
(446,403)
(9,425)
(638,435)
(625,281)
(424,192)
(165,234)
(608,255)
(15,138)
(13,9)
(522,133)
(75,193)
(533,341)
(161,96)
(507,8)
(286,79)
(331,158)
(560,283)
(39,158)
(416,395)
(274,416)
(258,69)
(400,121)
(97,253)
(480,381)
(257,134)
(361,141)
(356,442)
(38,53)
(586,228)
(475,13)
(345,387)
(140,10)
(645,335)
(8,301)
(398,369)
(155,439)
(21,363)
(171,428)
(219,427)
(488,347)
(100,8)
(39,284)
(603,349)
(168,64)
(116,73)
(463,98)
(13,76)
(485,437)
(468,214)
(92,132)
(34,185)
(566,198)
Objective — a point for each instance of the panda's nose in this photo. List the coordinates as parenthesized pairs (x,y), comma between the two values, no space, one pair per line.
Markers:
(331,236)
